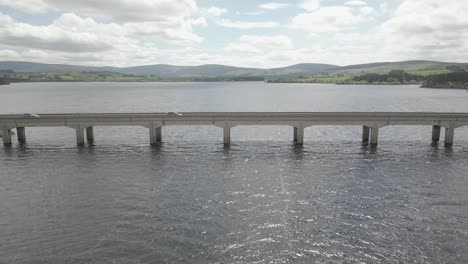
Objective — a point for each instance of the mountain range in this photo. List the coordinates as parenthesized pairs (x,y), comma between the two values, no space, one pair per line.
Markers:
(215,70)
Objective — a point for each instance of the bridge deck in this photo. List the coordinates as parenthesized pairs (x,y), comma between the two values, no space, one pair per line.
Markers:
(371,122)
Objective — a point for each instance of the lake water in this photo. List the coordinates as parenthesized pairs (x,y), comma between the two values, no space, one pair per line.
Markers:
(261,200)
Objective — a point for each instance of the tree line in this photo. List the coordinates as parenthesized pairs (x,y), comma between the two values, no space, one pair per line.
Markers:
(457,79)
(393,77)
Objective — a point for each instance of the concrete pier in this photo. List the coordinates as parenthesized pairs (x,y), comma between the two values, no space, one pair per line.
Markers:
(299,135)
(370,122)
(436,133)
(21,134)
(90,134)
(449,135)
(158,134)
(155,135)
(374,138)
(6,136)
(227,135)
(365,133)
(80,141)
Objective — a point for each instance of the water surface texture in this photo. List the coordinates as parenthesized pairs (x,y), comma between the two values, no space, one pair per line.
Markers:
(261,200)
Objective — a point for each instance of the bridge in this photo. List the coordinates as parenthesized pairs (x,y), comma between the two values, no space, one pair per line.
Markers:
(371,122)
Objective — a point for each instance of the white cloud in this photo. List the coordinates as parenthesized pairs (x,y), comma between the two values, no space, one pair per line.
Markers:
(118,10)
(35,54)
(427,29)
(310,5)
(383,7)
(273,6)
(367,10)
(329,19)
(52,37)
(245,24)
(268,58)
(355,3)
(182,36)
(168,19)
(114,33)
(5,20)
(30,6)
(241,48)
(277,41)
(201,22)
(257,46)
(256,13)
(216,11)
(352,37)
(9,54)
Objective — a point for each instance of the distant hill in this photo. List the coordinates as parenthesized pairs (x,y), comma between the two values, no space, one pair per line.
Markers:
(164,70)
(384,67)
(23,66)
(208,70)
(220,71)
(303,68)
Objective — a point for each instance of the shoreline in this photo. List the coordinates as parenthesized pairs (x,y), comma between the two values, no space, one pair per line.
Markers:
(421,85)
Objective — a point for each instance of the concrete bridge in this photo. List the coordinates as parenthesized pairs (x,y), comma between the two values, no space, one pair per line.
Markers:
(371,122)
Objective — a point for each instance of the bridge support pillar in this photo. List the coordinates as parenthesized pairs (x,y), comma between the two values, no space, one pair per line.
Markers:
(90,134)
(374,138)
(227,135)
(155,135)
(299,135)
(21,132)
(435,133)
(80,136)
(6,136)
(449,135)
(158,134)
(365,133)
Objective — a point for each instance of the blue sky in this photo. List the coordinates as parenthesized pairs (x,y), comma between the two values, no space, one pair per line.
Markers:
(240,33)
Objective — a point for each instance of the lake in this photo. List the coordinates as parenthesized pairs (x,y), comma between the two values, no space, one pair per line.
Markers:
(261,200)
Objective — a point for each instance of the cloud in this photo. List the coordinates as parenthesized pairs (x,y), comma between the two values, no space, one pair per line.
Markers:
(329,19)
(245,24)
(5,20)
(310,5)
(383,7)
(52,37)
(9,54)
(168,19)
(355,3)
(273,6)
(241,48)
(268,58)
(115,33)
(183,35)
(276,41)
(256,13)
(201,22)
(367,10)
(427,29)
(259,45)
(30,6)
(215,11)
(117,10)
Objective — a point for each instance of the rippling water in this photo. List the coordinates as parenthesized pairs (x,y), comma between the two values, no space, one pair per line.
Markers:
(262,200)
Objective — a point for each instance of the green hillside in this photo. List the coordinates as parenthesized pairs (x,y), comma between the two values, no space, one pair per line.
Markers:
(422,67)
(19,71)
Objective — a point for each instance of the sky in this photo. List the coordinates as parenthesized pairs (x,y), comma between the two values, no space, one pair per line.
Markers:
(246,33)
